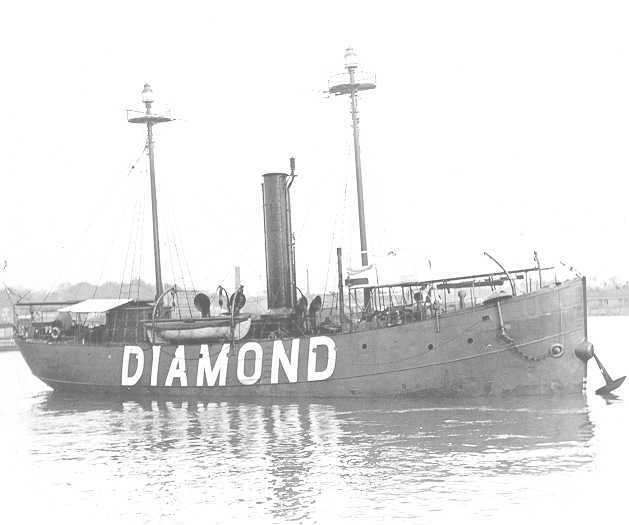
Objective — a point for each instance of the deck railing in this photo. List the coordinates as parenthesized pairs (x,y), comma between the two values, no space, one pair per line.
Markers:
(405,302)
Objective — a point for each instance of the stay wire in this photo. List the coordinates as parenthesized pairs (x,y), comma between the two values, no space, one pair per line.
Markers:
(171,260)
(136,233)
(137,253)
(143,219)
(342,215)
(183,279)
(142,212)
(126,259)
(181,257)
(183,251)
(108,183)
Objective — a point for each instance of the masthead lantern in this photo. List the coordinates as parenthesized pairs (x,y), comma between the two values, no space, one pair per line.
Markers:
(351,61)
(147,94)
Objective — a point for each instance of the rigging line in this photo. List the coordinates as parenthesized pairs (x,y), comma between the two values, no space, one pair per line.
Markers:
(185,260)
(173,266)
(139,201)
(139,237)
(172,260)
(349,188)
(171,236)
(165,257)
(109,183)
(81,237)
(104,190)
(136,235)
(137,250)
(183,251)
(109,249)
(124,266)
(174,235)
(327,273)
(142,218)
(132,167)
(107,253)
(169,257)
(183,279)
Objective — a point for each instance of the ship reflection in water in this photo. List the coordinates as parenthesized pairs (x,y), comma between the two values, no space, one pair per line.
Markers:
(307,461)
(544,459)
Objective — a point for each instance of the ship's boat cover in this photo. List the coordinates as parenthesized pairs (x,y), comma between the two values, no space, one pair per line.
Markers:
(95,306)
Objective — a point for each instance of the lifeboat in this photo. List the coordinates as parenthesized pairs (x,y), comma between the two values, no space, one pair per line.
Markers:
(198,330)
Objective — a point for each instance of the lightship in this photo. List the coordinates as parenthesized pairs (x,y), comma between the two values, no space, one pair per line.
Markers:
(507,332)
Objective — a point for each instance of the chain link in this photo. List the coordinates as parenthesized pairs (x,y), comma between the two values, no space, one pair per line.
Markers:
(517,350)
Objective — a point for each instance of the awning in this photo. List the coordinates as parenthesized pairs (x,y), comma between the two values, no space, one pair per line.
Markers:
(95,306)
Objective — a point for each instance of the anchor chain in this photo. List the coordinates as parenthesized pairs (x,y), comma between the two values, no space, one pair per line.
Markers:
(514,346)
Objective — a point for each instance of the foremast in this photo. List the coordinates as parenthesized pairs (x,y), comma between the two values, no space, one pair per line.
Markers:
(150,119)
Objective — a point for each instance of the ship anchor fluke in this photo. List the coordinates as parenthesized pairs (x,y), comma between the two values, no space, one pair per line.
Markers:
(610,384)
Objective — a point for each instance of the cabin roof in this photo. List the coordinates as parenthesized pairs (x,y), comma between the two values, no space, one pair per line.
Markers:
(95,306)
(45,303)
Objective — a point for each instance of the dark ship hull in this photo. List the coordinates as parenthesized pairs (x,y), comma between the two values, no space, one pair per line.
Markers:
(528,344)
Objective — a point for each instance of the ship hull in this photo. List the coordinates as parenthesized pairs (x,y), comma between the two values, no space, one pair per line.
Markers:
(520,346)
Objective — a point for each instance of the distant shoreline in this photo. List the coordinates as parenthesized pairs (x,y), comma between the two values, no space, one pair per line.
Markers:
(608,301)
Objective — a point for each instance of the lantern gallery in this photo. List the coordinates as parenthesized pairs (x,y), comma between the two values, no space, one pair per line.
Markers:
(213,365)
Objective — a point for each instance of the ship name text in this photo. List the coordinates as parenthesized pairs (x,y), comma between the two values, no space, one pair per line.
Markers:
(195,366)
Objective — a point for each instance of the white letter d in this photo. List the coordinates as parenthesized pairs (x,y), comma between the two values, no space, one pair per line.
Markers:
(128,380)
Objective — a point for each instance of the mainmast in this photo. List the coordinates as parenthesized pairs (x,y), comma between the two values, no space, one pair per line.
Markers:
(351,84)
(150,120)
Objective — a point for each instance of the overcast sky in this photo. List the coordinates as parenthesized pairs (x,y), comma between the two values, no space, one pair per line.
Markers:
(498,126)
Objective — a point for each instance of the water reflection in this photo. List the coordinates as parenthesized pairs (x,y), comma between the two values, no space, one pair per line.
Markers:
(282,459)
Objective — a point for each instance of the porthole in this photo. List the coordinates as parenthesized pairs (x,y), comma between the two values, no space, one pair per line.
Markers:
(470,340)
(556,350)
(430,346)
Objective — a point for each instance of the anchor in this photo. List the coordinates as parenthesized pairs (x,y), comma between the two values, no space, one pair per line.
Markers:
(585,350)
(610,384)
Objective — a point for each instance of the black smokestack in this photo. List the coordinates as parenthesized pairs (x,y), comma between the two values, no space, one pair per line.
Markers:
(278,241)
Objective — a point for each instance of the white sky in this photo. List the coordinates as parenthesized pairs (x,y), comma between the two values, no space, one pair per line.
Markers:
(498,126)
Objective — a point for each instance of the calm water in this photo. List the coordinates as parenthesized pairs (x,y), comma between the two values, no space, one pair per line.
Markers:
(71,460)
